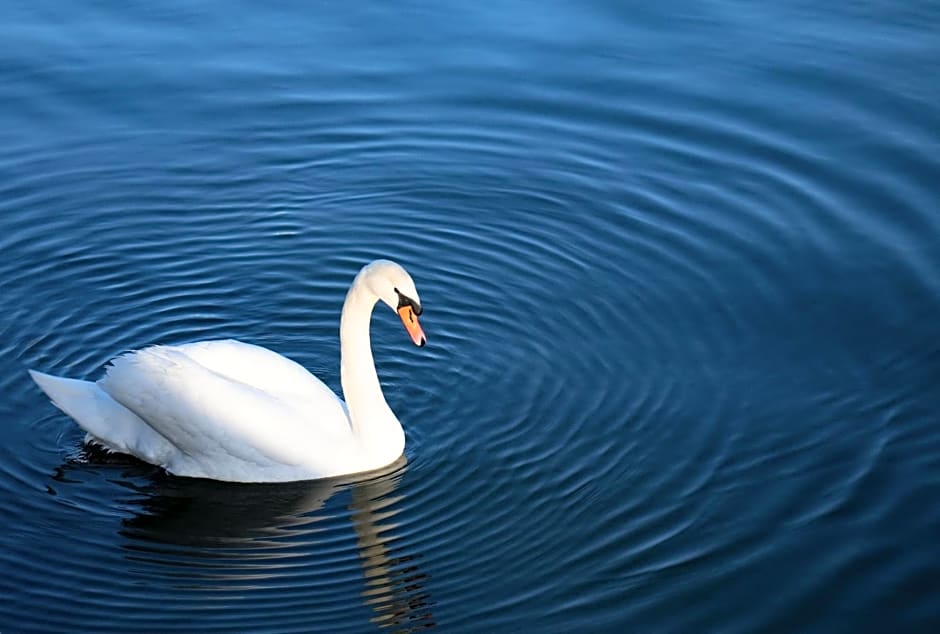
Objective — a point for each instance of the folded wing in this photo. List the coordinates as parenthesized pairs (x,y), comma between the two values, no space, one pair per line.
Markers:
(229,407)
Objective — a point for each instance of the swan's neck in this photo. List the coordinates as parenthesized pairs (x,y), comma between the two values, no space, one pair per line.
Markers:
(373,424)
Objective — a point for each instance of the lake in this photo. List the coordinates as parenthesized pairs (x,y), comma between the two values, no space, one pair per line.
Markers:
(680,268)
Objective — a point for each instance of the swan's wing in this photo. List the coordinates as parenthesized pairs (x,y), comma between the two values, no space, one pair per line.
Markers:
(262,368)
(222,424)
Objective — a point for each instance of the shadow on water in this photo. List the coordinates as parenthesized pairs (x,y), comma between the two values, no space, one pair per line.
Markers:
(208,536)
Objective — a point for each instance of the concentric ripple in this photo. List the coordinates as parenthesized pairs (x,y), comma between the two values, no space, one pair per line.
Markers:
(682,360)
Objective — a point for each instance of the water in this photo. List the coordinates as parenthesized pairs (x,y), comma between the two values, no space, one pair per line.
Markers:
(679,266)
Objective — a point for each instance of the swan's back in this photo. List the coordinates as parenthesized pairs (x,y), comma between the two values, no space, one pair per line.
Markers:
(261,368)
(217,409)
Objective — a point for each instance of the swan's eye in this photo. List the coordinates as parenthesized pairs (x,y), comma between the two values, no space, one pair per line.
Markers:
(404,300)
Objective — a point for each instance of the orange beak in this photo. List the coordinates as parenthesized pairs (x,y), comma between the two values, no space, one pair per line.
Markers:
(410,320)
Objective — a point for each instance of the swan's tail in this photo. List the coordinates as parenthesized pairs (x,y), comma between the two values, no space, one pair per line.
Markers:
(106,421)
(76,398)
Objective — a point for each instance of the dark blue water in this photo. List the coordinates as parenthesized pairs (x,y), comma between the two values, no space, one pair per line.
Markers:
(680,270)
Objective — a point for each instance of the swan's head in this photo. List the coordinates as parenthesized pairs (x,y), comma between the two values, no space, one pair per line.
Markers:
(392,284)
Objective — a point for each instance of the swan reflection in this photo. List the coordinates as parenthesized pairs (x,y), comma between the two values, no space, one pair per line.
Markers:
(394,582)
(213,537)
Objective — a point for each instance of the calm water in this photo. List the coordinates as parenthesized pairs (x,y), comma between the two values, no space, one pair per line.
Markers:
(680,271)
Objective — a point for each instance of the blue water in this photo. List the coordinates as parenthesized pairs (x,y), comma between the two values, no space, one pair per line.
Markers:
(679,264)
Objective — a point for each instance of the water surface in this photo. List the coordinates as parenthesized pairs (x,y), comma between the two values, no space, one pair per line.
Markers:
(679,266)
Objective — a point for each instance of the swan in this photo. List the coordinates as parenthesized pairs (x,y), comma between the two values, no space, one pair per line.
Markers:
(233,411)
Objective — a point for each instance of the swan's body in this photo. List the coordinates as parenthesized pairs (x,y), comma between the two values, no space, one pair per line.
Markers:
(232,411)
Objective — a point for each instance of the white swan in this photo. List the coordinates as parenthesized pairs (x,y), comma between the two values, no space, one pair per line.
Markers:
(232,411)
